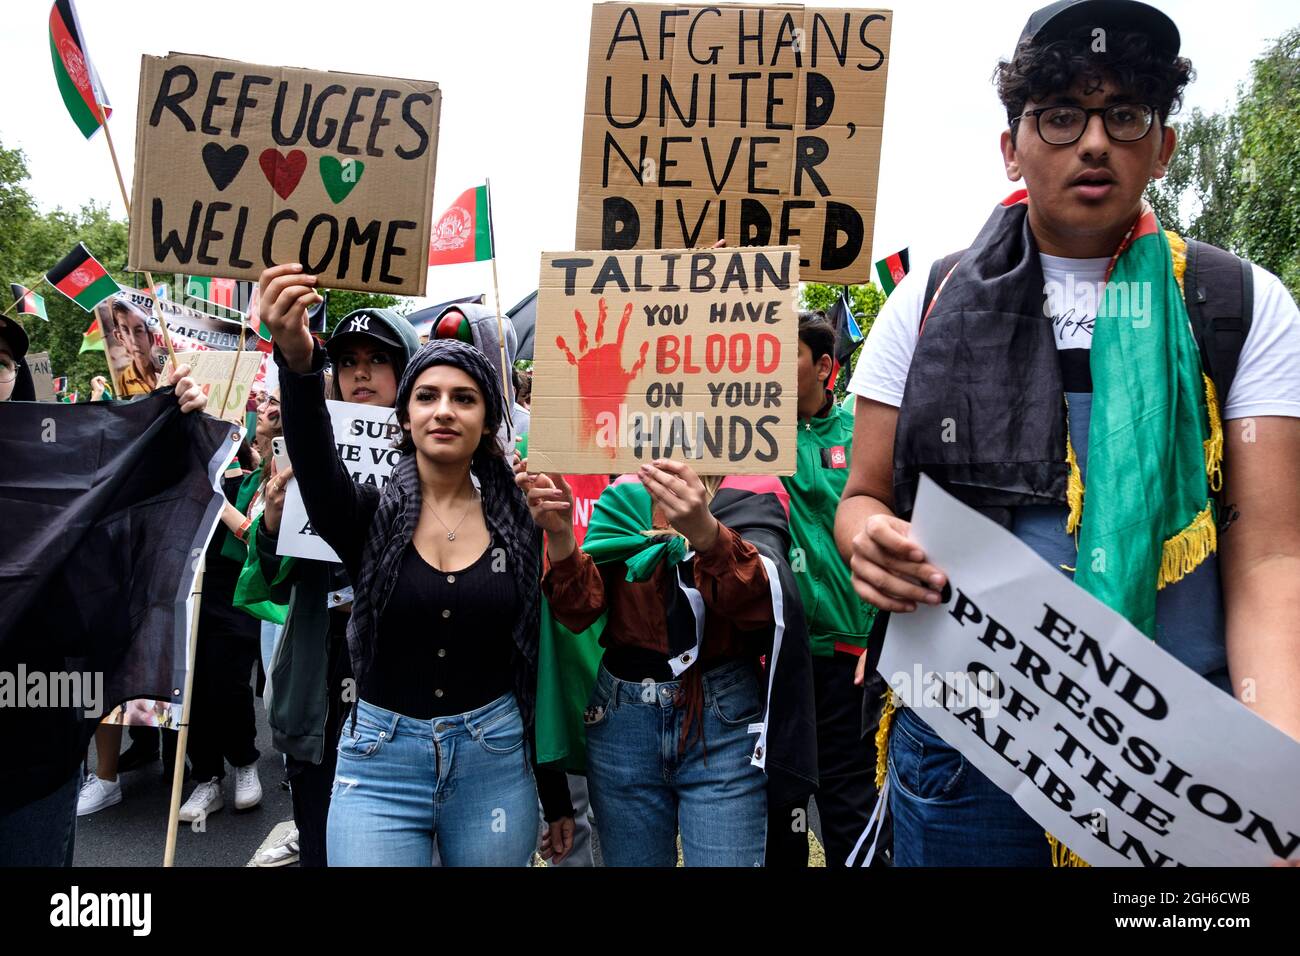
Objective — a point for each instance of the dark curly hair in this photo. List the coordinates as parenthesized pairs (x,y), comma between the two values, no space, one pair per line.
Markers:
(1129,60)
(816,332)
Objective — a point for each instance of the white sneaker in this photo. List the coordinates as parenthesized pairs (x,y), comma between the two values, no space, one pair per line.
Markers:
(281,853)
(96,794)
(248,788)
(205,799)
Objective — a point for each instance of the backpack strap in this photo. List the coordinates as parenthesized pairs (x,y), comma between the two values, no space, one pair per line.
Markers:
(1219,289)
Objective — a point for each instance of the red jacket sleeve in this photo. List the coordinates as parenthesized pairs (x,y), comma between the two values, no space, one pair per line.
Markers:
(575,591)
(733,582)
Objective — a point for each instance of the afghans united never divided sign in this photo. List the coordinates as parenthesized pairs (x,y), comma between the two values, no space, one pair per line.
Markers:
(758,125)
(239,167)
(1110,743)
(686,354)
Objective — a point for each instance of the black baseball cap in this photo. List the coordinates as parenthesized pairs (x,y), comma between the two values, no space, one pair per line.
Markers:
(1056,20)
(13,333)
(382,325)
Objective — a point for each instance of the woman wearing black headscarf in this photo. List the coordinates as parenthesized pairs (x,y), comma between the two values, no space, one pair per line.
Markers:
(443,637)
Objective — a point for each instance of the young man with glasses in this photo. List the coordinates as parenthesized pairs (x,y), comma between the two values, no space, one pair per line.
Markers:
(1071,297)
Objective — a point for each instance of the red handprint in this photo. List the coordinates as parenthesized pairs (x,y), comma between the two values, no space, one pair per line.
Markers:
(602,380)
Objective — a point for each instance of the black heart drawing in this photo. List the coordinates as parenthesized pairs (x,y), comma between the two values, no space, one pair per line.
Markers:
(224,164)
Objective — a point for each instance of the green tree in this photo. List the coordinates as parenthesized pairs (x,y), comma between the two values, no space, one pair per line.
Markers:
(1234,180)
(1266,218)
(867,301)
(1202,174)
(342,301)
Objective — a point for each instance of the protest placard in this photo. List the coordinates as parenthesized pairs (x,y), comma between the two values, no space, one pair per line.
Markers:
(212,372)
(239,167)
(756,124)
(42,375)
(1114,746)
(133,337)
(683,354)
(365,437)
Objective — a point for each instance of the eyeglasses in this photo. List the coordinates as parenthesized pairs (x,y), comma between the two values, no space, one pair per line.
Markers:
(1063,125)
(8,371)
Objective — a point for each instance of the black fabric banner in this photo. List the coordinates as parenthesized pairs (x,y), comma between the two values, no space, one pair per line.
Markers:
(107,508)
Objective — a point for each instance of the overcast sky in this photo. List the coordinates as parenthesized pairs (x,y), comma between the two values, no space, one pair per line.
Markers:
(513,76)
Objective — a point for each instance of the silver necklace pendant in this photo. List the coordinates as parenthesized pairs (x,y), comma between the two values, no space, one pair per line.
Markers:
(451,535)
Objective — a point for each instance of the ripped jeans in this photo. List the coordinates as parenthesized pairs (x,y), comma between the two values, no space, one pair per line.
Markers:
(464,781)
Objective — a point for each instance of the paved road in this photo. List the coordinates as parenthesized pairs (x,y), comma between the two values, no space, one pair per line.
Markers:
(134,832)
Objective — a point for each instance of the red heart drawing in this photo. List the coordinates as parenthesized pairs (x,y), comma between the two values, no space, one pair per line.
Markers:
(283,172)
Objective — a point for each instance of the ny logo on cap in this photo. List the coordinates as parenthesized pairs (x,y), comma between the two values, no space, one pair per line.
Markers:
(360,323)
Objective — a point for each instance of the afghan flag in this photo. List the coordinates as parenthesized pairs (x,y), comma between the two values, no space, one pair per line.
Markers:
(28,302)
(464,232)
(79,84)
(82,279)
(92,340)
(212,291)
(60,384)
(891,270)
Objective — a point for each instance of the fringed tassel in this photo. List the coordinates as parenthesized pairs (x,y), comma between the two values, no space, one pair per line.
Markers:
(1178,253)
(882,738)
(1213,444)
(1188,548)
(1062,855)
(1073,489)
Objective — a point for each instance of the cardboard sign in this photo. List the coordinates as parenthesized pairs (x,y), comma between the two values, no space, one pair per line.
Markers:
(239,167)
(687,354)
(1115,747)
(365,437)
(42,375)
(758,125)
(211,370)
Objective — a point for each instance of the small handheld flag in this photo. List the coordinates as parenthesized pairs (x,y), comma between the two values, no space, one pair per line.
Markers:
(848,334)
(60,384)
(464,232)
(79,84)
(92,340)
(82,279)
(28,302)
(892,269)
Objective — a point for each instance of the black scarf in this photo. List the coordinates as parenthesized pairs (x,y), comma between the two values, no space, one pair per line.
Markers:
(983,409)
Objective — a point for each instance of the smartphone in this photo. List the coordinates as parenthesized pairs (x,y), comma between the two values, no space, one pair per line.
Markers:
(280,454)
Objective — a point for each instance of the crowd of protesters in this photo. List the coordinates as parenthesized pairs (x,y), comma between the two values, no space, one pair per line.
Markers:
(406,710)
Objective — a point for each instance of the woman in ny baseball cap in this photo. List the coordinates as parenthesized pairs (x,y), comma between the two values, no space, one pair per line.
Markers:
(369,351)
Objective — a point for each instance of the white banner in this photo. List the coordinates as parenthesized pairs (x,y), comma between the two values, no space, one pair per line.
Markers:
(1115,747)
(364,437)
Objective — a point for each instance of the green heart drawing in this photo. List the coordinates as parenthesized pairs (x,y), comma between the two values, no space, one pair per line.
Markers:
(340,177)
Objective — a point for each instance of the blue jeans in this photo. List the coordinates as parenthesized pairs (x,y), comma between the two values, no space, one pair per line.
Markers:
(643,792)
(465,781)
(42,833)
(947,813)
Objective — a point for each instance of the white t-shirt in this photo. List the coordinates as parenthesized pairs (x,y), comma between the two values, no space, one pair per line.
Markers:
(1268,373)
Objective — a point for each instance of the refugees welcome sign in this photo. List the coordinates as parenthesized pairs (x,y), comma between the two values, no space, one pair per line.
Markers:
(240,167)
(758,125)
(1115,747)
